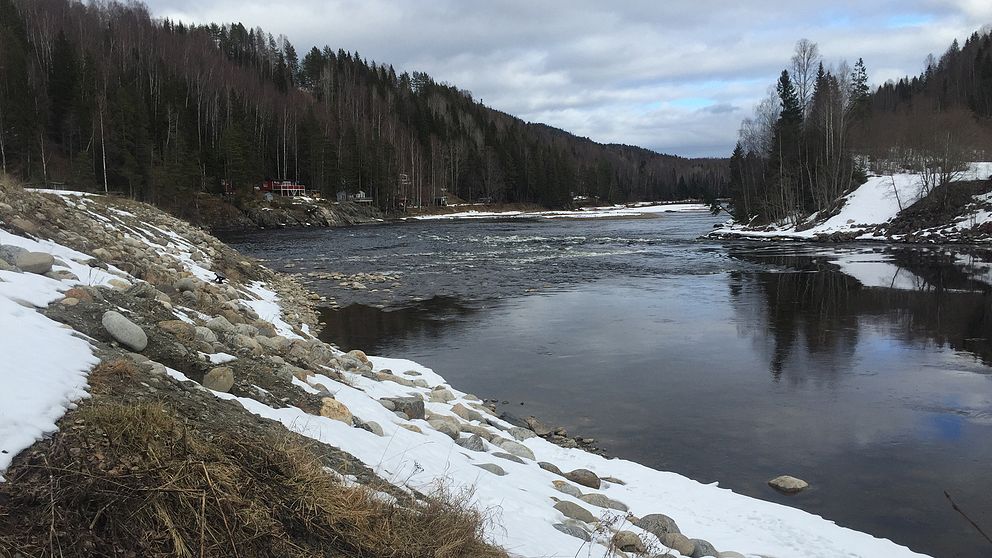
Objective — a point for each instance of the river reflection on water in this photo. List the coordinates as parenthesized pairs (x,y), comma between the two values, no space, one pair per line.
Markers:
(862,369)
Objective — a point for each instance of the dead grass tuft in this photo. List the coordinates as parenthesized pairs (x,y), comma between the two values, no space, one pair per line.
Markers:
(136,482)
(109,371)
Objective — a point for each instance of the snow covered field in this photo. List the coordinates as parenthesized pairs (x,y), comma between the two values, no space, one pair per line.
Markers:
(614,211)
(875,202)
(45,367)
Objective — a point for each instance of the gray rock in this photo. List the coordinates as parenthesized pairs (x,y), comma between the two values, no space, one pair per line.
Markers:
(575,511)
(492,468)
(538,427)
(521,434)
(188,284)
(220,325)
(205,334)
(124,331)
(513,420)
(445,427)
(62,275)
(478,431)
(573,530)
(550,467)
(657,524)
(603,501)
(508,456)
(730,554)
(679,542)
(585,477)
(34,262)
(388,404)
(703,548)
(473,442)
(516,448)
(628,541)
(9,252)
(466,413)
(374,428)
(219,379)
(403,416)
(788,485)
(567,488)
(441,396)
(412,406)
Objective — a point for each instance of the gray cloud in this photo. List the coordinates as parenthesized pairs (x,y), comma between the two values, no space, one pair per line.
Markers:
(670,76)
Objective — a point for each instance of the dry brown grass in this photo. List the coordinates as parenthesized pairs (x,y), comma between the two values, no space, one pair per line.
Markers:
(134,481)
(109,371)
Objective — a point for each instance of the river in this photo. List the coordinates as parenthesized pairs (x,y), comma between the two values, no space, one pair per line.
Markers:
(863,369)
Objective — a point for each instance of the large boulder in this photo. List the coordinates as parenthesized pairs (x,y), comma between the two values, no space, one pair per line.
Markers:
(679,542)
(34,262)
(124,331)
(658,524)
(492,468)
(219,379)
(441,396)
(567,488)
(413,407)
(515,448)
(575,511)
(473,443)
(602,501)
(205,334)
(466,413)
(788,485)
(585,477)
(572,528)
(538,427)
(9,252)
(628,541)
(521,434)
(220,325)
(334,409)
(445,427)
(703,549)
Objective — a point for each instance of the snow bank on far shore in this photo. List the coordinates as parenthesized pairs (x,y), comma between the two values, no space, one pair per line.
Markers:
(875,202)
(615,211)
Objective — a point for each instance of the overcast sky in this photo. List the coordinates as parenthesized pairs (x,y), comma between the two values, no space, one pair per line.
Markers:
(671,75)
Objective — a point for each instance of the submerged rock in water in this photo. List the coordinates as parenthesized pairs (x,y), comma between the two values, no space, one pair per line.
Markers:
(788,484)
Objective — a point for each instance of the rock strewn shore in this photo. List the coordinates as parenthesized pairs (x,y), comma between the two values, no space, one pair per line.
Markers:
(227,345)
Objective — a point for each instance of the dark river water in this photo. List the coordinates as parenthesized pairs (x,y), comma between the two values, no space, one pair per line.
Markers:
(862,369)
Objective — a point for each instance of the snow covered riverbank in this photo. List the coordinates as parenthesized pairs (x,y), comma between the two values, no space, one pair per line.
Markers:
(397,417)
(865,212)
(613,211)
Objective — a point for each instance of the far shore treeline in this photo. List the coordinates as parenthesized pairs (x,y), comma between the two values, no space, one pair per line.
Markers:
(821,130)
(103,96)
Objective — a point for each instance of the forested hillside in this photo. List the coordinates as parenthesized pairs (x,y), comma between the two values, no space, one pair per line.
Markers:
(823,129)
(103,96)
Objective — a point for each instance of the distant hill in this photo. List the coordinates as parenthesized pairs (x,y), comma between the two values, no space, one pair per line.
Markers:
(104,96)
